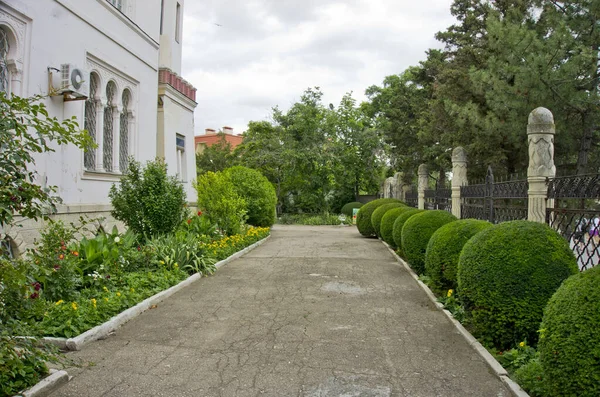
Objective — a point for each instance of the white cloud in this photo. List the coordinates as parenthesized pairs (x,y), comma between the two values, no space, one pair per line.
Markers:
(267,52)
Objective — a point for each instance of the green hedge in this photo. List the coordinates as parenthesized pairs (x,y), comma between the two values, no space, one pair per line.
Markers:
(506,275)
(258,192)
(347,208)
(387,224)
(379,213)
(363,218)
(416,234)
(399,224)
(570,337)
(443,250)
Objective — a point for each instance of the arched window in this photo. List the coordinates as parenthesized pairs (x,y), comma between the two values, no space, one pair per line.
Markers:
(90,122)
(124,131)
(4,72)
(8,248)
(107,157)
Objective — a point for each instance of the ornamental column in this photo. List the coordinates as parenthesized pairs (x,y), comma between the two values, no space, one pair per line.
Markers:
(423,173)
(459,178)
(540,136)
(116,143)
(100,135)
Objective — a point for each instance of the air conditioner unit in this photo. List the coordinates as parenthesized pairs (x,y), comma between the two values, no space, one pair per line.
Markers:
(71,82)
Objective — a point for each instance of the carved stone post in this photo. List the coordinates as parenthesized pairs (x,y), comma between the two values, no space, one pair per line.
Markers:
(540,135)
(423,181)
(459,178)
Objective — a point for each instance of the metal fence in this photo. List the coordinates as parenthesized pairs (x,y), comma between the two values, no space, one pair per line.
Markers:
(574,212)
(412,198)
(438,199)
(495,201)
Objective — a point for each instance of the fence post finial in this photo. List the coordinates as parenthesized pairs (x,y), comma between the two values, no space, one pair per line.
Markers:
(459,178)
(423,173)
(540,136)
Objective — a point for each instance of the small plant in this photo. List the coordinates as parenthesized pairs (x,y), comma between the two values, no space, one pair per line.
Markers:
(147,200)
(347,208)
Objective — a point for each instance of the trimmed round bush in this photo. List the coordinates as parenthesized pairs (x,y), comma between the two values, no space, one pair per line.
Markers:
(570,337)
(387,224)
(399,224)
(347,208)
(416,234)
(258,192)
(378,214)
(363,218)
(443,250)
(506,275)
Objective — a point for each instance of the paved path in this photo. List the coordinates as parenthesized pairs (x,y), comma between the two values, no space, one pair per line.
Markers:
(316,311)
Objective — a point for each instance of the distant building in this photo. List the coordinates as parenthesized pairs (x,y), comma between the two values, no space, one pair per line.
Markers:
(211,137)
(117,67)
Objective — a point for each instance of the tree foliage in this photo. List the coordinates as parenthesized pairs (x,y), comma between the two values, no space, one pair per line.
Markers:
(216,157)
(27,129)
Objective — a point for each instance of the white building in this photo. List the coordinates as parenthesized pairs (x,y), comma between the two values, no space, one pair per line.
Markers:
(129,52)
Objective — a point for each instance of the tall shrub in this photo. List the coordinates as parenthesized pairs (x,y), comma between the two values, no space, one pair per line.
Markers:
(147,200)
(218,199)
(506,275)
(258,192)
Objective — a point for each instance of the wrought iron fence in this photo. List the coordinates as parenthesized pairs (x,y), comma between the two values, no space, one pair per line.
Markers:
(574,212)
(495,201)
(438,199)
(412,199)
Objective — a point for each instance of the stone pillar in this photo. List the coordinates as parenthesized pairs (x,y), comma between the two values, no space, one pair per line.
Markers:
(459,178)
(540,135)
(423,182)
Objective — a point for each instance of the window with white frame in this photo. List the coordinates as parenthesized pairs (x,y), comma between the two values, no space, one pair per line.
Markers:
(178,23)
(119,4)
(90,120)
(107,155)
(181,165)
(4,72)
(125,119)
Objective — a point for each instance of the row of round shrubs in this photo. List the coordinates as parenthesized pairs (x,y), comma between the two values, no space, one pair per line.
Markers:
(505,275)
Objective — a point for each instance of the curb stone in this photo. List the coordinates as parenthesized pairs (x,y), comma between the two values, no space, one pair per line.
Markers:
(47,386)
(103,330)
(494,365)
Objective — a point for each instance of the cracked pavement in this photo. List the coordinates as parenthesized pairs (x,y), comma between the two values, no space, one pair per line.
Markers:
(315,311)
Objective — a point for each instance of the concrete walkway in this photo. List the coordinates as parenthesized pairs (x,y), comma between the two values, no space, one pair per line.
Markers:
(316,311)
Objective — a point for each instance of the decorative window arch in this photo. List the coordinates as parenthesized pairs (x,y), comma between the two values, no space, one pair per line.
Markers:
(109,108)
(91,119)
(125,121)
(4,51)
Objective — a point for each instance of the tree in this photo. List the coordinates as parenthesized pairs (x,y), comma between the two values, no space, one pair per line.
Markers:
(26,129)
(216,157)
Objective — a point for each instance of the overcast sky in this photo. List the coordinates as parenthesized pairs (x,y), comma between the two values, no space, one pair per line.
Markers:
(246,56)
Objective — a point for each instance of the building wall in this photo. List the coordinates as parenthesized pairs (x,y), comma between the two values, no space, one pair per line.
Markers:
(170,46)
(203,141)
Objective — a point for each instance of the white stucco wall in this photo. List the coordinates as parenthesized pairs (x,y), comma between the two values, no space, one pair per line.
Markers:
(170,49)
(70,31)
(177,117)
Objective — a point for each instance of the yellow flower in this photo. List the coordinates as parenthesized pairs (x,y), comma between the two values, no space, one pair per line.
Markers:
(131,290)
(59,302)
(105,289)
(74,305)
(522,344)
(161,262)
(175,265)
(118,294)
(93,302)
(106,299)
(450,292)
